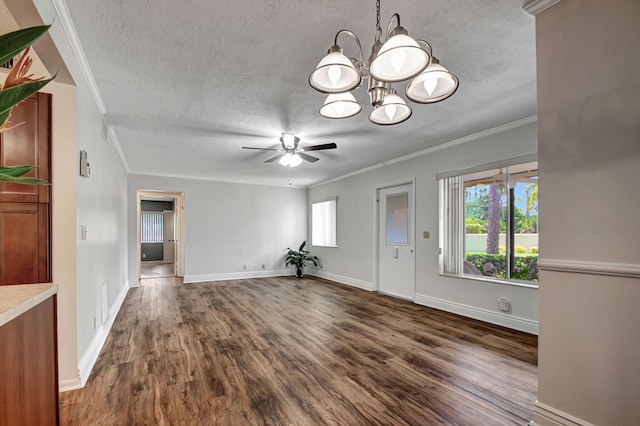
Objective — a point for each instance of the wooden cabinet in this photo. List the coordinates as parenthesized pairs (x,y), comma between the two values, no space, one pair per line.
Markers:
(25,210)
(28,357)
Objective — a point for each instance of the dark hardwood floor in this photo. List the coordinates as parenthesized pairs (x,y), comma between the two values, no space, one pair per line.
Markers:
(288,351)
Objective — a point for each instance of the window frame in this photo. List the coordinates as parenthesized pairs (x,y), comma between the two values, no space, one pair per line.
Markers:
(333,223)
(452,251)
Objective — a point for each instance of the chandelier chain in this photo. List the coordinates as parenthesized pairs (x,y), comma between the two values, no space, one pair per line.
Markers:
(378,29)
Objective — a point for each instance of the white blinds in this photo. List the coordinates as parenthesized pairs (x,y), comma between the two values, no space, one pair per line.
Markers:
(451,225)
(151,227)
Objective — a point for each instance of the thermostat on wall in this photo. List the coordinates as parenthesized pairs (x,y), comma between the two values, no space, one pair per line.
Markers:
(85,167)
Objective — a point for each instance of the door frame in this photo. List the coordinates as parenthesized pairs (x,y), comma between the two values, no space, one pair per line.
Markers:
(376,228)
(178,198)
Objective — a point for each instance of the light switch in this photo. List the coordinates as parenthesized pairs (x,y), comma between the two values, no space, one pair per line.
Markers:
(426,235)
(84,232)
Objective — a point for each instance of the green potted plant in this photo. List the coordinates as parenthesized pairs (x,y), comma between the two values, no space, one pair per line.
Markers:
(300,258)
(17,87)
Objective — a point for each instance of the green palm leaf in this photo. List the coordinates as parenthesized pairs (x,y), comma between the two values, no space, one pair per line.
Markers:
(14,95)
(26,180)
(16,171)
(15,42)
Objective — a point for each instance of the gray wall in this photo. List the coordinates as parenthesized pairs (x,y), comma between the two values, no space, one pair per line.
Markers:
(228,225)
(352,261)
(155,206)
(589,154)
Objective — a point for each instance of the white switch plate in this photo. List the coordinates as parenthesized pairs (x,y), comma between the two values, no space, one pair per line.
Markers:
(84,232)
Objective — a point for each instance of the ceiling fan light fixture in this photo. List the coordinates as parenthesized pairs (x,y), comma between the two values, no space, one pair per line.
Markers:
(335,73)
(340,105)
(290,160)
(399,59)
(434,84)
(393,110)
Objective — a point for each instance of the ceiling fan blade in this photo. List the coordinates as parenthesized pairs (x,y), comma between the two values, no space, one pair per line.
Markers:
(276,158)
(320,147)
(261,149)
(307,157)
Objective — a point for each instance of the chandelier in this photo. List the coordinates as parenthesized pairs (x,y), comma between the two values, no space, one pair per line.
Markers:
(399,58)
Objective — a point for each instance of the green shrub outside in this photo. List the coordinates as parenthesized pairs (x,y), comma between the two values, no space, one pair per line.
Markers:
(520,249)
(474,228)
(525,268)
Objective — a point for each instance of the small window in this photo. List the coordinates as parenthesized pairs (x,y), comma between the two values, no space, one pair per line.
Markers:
(151,227)
(489,223)
(323,223)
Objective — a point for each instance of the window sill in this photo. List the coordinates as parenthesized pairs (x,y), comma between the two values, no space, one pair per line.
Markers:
(493,280)
(324,246)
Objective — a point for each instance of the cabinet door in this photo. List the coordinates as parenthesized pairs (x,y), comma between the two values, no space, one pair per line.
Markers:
(24,243)
(28,144)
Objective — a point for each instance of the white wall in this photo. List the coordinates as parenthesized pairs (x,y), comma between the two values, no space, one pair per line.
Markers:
(589,125)
(227,226)
(352,261)
(81,267)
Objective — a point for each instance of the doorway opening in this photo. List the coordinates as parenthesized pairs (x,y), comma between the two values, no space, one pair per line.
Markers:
(160,234)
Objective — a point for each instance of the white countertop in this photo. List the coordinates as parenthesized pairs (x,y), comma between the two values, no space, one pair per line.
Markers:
(17,299)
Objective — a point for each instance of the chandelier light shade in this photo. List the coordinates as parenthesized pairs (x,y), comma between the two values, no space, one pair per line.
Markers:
(393,110)
(434,84)
(340,105)
(335,73)
(399,58)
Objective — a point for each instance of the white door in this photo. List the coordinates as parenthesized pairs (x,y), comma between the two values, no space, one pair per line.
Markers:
(169,237)
(396,257)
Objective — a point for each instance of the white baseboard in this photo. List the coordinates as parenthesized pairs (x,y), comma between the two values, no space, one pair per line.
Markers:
(237,275)
(69,385)
(544,415)
(364,285)
(90,356)
(498,318)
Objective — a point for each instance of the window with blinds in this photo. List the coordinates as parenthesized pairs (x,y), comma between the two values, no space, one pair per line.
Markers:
(489,222)
(151,227)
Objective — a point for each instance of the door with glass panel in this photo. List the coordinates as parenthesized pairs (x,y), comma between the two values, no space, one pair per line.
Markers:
(396,257)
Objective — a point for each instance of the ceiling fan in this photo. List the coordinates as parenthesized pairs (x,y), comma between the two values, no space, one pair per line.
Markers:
(290,155)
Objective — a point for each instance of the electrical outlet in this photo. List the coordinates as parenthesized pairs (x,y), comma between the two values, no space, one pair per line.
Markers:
(504,305)
(244,267)
(263,266)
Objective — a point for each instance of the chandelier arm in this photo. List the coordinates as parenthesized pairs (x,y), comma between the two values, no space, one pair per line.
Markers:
(426,43)
(397,16)
(359,63)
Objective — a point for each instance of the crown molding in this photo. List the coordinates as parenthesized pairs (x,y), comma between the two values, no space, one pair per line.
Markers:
(465,139)
(72,35)
(533,7)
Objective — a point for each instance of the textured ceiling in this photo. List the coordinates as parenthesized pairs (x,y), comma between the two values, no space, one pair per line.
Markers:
(187,83)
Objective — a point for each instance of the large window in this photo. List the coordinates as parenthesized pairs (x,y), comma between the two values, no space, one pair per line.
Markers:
(151,227)
(489,223)
(323,223)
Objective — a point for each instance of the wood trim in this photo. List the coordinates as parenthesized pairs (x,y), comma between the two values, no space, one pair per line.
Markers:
(533,7)
(43,141)
(628,270)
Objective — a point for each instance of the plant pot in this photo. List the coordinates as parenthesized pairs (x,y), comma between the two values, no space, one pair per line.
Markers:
(299,272)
